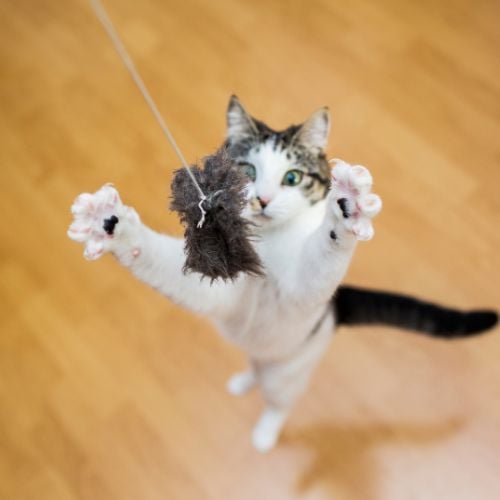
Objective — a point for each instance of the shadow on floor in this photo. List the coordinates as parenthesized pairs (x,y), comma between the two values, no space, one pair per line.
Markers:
(342,460)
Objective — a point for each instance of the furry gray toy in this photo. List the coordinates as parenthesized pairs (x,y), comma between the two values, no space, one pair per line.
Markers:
(221,248)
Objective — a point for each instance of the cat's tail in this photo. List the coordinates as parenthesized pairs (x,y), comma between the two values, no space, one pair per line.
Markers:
(358,306)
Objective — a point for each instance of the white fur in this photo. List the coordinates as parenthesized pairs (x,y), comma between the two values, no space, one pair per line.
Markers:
(314,132)
(270,318)
(240,383)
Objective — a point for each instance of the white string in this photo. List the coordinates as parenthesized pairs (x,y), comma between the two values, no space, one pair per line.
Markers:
(103,17)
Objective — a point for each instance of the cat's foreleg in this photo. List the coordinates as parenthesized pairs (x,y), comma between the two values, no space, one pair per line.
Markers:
(103,224)
(328,251)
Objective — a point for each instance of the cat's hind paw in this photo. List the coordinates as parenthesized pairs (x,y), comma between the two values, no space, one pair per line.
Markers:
(268,429)
(353,203)
(264,440)
(98,220)
(240,383)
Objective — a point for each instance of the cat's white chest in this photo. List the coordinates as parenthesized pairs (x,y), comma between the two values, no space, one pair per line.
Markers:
(280,249)
(265,320)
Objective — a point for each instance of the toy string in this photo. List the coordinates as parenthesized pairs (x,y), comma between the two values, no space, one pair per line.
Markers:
(103,17)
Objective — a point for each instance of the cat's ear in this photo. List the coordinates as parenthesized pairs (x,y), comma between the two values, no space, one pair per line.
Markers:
(240,124)
(314,131)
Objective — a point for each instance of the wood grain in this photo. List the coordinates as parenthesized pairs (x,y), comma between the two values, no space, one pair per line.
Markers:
(108,391)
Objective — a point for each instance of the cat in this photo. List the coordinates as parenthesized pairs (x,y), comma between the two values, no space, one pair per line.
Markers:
(308,218)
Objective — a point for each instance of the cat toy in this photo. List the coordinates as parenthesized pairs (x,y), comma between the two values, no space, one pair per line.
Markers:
(209,200)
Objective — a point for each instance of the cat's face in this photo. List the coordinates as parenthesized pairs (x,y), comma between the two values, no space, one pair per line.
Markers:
(287,170)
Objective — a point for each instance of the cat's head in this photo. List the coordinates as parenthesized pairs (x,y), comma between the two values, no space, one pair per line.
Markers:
(287,170)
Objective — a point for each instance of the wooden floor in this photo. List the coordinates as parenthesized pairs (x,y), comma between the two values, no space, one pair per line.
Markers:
(107,390)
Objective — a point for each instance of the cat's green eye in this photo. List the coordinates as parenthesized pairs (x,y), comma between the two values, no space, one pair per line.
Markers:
(250,171)
(293,178)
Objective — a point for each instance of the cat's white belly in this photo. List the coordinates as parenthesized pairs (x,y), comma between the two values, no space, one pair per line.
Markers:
(268,328)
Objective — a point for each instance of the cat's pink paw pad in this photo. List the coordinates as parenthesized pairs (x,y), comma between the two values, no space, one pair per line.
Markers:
(353,202)
(95,217)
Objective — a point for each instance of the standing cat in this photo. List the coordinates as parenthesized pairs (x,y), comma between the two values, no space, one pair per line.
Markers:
(308,219)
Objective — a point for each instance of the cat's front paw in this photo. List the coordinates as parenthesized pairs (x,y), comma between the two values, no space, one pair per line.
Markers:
(352,201)
(100,221)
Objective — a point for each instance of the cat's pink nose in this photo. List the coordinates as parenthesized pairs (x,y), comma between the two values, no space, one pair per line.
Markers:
(263,201)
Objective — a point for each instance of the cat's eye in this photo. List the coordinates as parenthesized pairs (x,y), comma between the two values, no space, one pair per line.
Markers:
(293,178)
(250,171)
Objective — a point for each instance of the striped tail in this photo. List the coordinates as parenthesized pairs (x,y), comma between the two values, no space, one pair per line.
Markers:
(358,306)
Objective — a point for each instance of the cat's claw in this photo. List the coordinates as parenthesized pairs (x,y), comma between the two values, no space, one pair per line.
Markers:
(352,200)
(98,221)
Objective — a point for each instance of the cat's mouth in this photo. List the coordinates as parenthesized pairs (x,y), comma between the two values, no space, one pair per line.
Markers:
(255,211)
(261,216)
(260,219)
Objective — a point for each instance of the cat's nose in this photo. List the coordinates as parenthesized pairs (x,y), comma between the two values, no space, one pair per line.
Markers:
(263,201)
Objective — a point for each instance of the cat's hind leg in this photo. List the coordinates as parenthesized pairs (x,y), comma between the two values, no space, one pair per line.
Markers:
(282,383)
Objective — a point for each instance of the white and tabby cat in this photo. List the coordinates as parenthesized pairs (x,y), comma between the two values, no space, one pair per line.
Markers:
(308,220)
